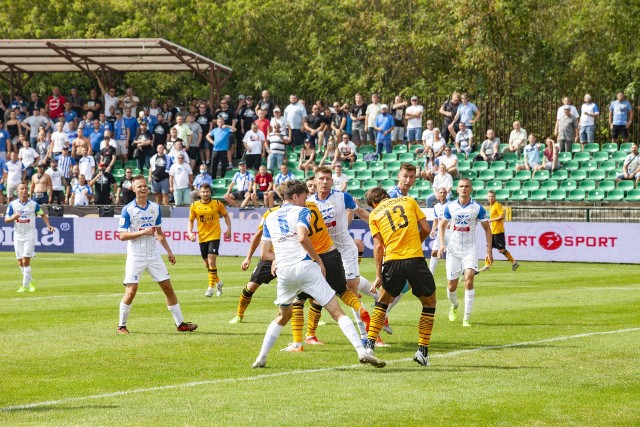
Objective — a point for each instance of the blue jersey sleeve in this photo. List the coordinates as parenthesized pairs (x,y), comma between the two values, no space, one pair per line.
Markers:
(265,232)
(9,210)
(447,214)
(349,203)
(125,219)
(304,217)
(159,218)
(482,213)
(596,109)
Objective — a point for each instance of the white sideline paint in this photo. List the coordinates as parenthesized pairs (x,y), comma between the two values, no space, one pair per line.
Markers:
(302,371)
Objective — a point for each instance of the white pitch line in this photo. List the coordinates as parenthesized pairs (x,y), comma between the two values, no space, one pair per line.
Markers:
(300,371)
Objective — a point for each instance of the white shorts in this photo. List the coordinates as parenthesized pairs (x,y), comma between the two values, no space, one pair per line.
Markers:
(121,147)
(457,264)
(436,242)
(304,277)
(350,261)
(25,248)
(135,267)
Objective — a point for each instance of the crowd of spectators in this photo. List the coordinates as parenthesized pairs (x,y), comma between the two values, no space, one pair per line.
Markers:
(78,141)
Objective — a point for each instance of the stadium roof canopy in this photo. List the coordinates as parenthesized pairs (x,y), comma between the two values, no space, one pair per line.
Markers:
(104,59)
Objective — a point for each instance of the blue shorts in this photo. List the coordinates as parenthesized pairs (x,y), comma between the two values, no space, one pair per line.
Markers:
(587,133)
(161,187)
(415,134)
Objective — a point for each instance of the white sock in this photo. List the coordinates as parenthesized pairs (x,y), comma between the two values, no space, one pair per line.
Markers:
(26,276)
(468,302)
(125,309)
(395,301)
(349,331)
(176,313)
(270,338)
(365,288)
(433,262)
(21,269)
(360,323)
(453,297)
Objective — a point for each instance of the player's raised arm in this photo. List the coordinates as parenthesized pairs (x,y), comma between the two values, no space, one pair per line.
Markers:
(255,241)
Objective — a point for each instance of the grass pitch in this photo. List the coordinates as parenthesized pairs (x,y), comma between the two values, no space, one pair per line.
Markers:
(551,344)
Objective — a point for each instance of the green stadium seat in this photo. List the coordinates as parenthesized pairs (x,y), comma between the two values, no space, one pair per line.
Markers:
(510,157)
(581,156)
(595,196)
(293,157)
(369,184)
(591,148)
(522,175)
(502,195)
(549,185)
(579,174)
(587,185)
(505,175)
(570,165)
(614,195)
(612,174)
(597,174)
(219,183)
(381,175)
(576,195)
(538,196)
(487,174)
(589,166)
(375,166)
(618,156)
(600,156)
(519,195)
(607,166)
(349,172)
(414,193)
(477,184)
(481,194)
(298,148)
(575,147)
(568,185)
(541,175)
(406,157)
(498,165)
(118,173)
(401,148)
(133,164)
(609,147)
(564,156)
(364,174)
(531,185)
(469,174)
(366,149)
(357,193)
(422,184)
(230,173)
(607,185)
(387,184)
(393,167)
(480,165)
(626,185)
(359,166)
(557,195)
(218,193)
(512,185)
(464,165)
(502,147)
(560,174)
(389,157)
(352,184)
(425,193)
(494,185)
(298,174)
(633,196)
(461,156)
(626,147)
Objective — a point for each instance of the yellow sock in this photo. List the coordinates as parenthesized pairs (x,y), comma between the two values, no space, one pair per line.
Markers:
(245,300)
(377,321)
(349,298)
(314,318)
(213,277)
(297,321)
(509,257)
(425,326)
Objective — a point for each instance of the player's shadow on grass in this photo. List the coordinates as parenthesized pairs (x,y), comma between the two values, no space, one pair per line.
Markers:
(60,408)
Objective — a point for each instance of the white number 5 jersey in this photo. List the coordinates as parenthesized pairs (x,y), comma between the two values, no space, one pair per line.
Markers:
(280,228)
(462,225)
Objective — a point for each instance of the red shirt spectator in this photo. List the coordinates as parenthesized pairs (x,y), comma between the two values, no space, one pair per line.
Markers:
(55,104)
(263,181)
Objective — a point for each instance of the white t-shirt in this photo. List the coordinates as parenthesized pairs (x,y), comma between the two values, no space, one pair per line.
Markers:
(415,123)
(254,141)
(59,140)
(442,181)
(338,181)
(87,165)
(372,112)
(180,174)
(585,119)
(14,172)
(284,129)
(28,156)
(347,149)
(56,178)
(112,143)
(463,138)
(448,161)
(427,137)
(81,195)
(108,102)
(574,112)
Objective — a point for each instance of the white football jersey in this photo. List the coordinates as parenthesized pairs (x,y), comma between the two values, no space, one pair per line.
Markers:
(335,212)
(281,229)
(462,226)
(438,213)
(135,218)
(24,228)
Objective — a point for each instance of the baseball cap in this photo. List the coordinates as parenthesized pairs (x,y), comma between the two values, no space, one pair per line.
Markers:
(40,165)
(384,107)
(339,165)
(241,96)
(65,148)
(242,162)
(414,98)
(248,97)
(276,110)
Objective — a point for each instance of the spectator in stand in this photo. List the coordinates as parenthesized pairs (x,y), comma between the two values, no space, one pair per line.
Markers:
(180,179)
(172,140)
(55,104)
(307,157)
(121,134)
(620,118)
(77,144)
(262,186)
(285,175)
(414,121)
(550,160)
(517,139)
(359,120)
(229,120)
(373,110)
(589,113)
(87,124)
(220,139)
(279,119)
(340,180)
(70,116)
(243,181)
(263,123)
(247,113)
(59,139)
(13,175)
(531,154)
(81,194)
(566,102)
(35,103)
(205,120)
(103,183)
(203,178)
(159,175)
(2,187)
(427,139)
(314,126)
(76,101)
(383,125)
(631,166)
(107,152)
(331,155)
(183,130)
(567,130)
(129,100)
(86,164)
(339,122)
(196,140)
(167,112)
(178,148)
(449,109)
(66,163)
(254,142)
(131,123)
(450,161)
(490,148)
(5,142)
(58,183)
(275,145)
(160,133)
(110,98)
(266,104)
(41,190)
(347,151)
(72,182)
(442,179)
(398,111)
(93,103)
(124,194)
(464,140)
(32,124)
(465,114)
(28,156)
(14,126)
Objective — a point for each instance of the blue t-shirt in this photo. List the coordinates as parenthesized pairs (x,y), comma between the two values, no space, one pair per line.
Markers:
(4,137)
(532,154)
(131,123)
(220,139)
(95,138)
(70,116)
(384,121)
(620,112)
(466,113)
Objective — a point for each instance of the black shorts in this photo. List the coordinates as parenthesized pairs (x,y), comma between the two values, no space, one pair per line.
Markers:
(498,241)
(397,272)
(58,197)
(211,247)
(193,153)
(262,273)
(239,195)
(620,131)
(332,261)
